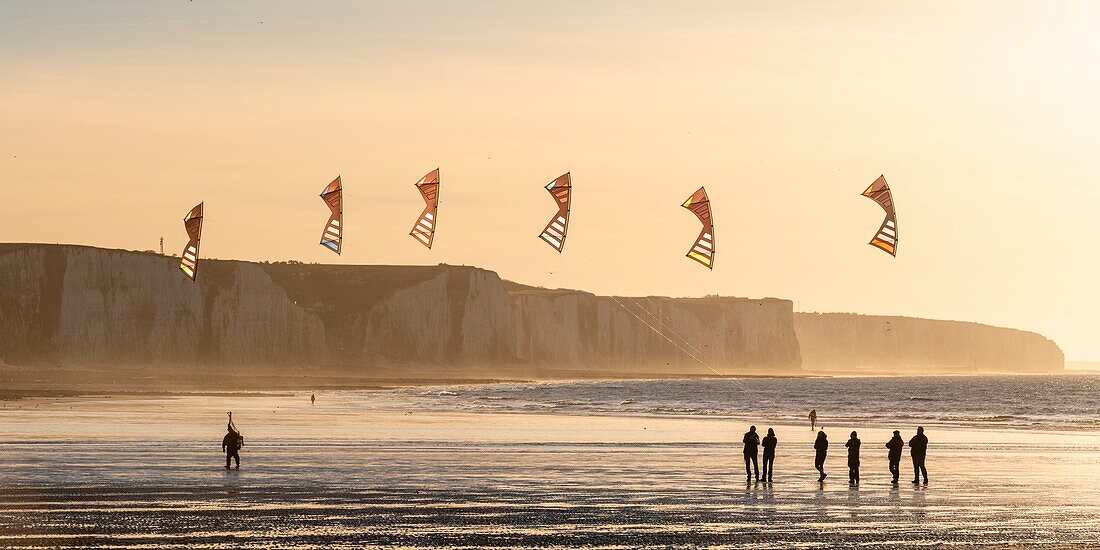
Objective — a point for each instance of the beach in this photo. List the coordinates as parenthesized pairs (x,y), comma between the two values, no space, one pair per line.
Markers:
(382,468)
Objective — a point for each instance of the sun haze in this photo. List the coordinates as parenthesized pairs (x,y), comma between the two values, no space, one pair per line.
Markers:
(116,118)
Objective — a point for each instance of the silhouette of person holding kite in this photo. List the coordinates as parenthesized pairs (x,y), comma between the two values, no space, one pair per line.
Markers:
(232,443)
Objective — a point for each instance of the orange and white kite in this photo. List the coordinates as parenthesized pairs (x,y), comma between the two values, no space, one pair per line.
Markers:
(189,260)
(703,249)
(886,239)
(554,233)
(332,237)
(424,228)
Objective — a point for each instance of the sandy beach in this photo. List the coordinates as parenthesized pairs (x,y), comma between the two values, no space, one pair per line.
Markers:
(356,470)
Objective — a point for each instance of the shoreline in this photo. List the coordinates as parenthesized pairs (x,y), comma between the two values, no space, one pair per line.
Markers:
(29,382)
(366,469)
(132,473)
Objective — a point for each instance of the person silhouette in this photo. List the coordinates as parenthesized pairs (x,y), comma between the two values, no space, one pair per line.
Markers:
(231,446)
(821,447)
(918,448)
(853,459)
(312,399)
(813,420)
(896,444)
(752,441)
(769,454)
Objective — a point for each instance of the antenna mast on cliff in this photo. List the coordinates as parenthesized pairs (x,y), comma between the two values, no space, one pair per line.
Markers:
(162,245)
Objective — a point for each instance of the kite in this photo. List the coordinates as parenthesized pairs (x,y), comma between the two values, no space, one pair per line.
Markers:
(554,233)
(189,262)
(424,229)
(333,235)
(887,237)
(703,249)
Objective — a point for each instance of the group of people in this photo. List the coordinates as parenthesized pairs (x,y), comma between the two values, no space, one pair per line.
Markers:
(918,447)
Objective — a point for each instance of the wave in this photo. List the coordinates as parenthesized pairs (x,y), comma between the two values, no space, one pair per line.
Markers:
(1031,402)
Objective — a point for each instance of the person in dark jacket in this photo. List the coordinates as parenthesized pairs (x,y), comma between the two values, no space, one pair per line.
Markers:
(769,454)
(918,448)
(231,446)
(896,444)
(821,446)
(853,459)
(752,442)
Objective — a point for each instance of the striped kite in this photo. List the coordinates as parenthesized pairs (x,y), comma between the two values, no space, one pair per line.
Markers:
(562,191)
(887,237)
(424,229)
(703,249)
(189,261)
(332,237)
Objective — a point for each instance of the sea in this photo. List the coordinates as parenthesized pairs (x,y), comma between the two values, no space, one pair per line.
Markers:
(1013,462)
(1014,402)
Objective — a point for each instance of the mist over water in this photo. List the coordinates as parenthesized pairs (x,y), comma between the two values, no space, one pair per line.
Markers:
(1017,402)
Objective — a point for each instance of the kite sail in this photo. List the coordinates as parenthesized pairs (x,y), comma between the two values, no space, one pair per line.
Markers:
(554,233)
(424,229)
(333,235)
(189,262)
(703,249)
(887,237)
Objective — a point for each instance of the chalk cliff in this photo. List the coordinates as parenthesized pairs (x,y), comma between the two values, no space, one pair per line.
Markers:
(72,305)
(868,343)
(81,306)
(580,331)
(77,306)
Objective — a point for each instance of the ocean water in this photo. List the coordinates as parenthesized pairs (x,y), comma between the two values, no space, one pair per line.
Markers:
(1018,402)
(1013,462)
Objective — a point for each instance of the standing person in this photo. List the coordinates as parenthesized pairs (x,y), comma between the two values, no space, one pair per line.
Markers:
(896,444)
(312,399)
(769,454)
(853,459)
(752,441)
(821,446)
(231,446)
(918,448)
(232,443)
(813,420)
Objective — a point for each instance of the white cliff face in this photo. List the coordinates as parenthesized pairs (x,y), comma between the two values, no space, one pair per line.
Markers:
(840,341)
(73,305)
(102,307)
(459,316)
(125,307)
(80,306)
(251,322)
(703,336)
(24,331)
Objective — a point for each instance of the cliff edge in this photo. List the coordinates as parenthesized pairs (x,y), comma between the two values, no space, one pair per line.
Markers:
(845,342)
(78,306)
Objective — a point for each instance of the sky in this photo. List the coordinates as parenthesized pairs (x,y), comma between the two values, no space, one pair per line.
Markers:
(117,117)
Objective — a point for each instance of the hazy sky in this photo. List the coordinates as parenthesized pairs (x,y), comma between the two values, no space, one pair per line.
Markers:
(117,117)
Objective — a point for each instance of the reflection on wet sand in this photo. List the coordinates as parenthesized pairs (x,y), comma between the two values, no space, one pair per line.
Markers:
(149,473)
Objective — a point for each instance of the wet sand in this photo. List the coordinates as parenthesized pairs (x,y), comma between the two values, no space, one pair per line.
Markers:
(148,472)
